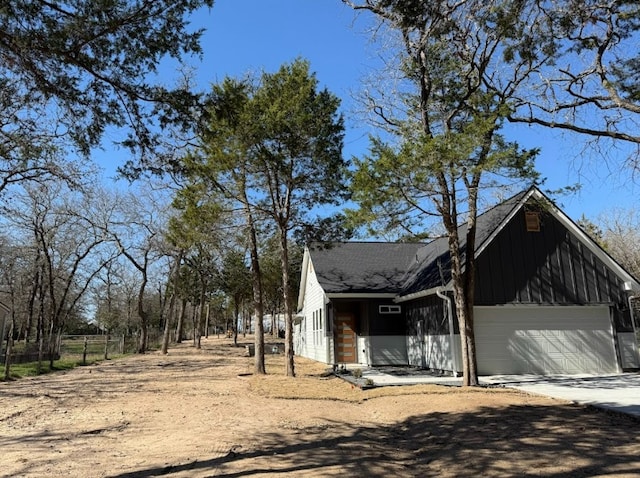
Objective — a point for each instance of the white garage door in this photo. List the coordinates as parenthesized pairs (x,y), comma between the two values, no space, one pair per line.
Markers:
(544,340)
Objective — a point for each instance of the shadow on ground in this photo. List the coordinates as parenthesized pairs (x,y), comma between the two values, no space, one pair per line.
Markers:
(511,441)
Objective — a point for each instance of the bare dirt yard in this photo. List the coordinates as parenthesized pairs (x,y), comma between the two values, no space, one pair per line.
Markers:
(200,413)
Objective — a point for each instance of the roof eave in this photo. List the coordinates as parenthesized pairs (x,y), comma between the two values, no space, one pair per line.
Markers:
(303,278)
(361,295)
(422,293)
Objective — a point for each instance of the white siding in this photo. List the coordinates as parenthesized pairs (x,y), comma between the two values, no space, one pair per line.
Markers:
(438,354)
(544,340)
(629,350)
(434,352)
(363,350)
(310,343)
(415,351)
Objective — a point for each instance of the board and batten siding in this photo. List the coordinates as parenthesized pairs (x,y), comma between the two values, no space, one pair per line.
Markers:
(550,267)
(429,343)
(629,353)
(311,339)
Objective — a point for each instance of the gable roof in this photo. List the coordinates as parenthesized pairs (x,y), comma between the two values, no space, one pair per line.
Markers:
(362,267)
(411,270)
(433,267)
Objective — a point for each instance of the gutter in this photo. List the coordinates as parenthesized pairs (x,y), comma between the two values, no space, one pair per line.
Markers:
(452,340)
(417,295)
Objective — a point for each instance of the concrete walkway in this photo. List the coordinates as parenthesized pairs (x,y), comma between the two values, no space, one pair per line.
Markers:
(620,392)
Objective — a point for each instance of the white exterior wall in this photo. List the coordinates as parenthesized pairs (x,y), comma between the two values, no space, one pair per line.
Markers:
(415,355)
(434,352)
(628,350)
(438,354)
(362,350)
(316,346)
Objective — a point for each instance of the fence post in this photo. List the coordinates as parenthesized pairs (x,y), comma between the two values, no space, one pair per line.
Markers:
(122,345)
(84,351)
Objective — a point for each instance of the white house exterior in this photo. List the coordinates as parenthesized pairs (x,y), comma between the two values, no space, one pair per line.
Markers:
(548,300)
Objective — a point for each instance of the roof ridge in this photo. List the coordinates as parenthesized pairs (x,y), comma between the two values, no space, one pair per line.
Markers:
(522,193)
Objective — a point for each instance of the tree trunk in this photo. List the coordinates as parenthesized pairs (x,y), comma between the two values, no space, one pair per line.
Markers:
(203,292)
(167,326)
(7,355)
(144,333)
(194,323)
(288,315)
(234,327)
(143,315)
(40,352)
(31,307)
(463,286)
(51,345)
(180,323)
(256,282)
(469,282)
(171,313)
(206,321)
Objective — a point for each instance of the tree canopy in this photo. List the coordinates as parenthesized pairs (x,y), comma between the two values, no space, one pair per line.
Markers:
(273,148)
(69,70)
(459,72)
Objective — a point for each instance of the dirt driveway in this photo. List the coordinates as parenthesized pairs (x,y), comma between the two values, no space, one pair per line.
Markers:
(199,414)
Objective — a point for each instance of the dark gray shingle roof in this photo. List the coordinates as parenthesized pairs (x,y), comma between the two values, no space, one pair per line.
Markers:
(434,267)
(379,267)
(361,267)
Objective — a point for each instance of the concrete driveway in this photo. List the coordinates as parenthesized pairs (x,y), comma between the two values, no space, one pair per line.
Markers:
(619,392)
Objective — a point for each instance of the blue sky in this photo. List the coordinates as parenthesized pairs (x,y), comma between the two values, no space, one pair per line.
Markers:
(254,35)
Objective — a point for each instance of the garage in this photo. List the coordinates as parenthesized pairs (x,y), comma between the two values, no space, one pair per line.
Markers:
(544,340)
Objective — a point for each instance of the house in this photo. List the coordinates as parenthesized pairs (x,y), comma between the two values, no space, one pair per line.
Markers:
(548,299)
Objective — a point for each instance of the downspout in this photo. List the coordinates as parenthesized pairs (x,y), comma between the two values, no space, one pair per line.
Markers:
(452,340)
(633,323)
(628,288)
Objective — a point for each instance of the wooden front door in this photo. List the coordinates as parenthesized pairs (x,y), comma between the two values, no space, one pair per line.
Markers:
(346,326)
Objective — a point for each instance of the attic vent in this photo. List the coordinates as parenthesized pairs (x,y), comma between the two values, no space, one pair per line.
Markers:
(532,220)
(389,309)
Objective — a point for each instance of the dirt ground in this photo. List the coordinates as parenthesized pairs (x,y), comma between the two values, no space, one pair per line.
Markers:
(202,414)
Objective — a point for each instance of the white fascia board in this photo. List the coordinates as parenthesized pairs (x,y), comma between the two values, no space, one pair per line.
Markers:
(571,226)
(421,294)
(303,278)
(592,245)
(355,295)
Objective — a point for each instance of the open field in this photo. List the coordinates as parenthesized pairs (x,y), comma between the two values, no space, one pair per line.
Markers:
(201,414)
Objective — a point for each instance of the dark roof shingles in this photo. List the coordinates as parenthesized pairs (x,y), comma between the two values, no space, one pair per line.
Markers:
(361,267)
(379,267)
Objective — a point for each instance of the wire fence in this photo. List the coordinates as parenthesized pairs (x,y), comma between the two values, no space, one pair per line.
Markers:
(91,347)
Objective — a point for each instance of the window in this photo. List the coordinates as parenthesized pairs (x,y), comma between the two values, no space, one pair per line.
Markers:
(317,327)
(389,309)
(329,320)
